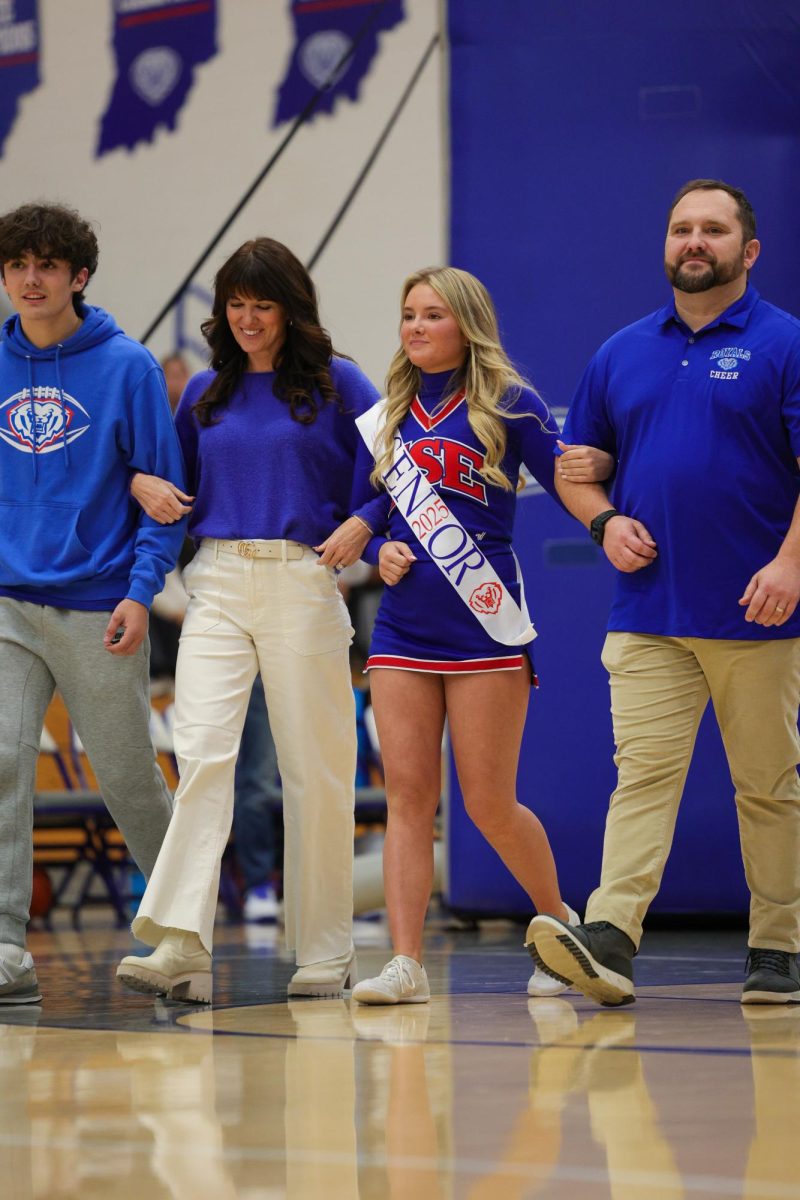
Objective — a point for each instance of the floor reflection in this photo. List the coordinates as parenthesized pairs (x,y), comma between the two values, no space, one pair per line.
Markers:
(479,1095)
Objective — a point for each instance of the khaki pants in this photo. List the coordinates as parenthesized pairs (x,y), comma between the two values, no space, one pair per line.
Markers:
(288,619)
(659,689)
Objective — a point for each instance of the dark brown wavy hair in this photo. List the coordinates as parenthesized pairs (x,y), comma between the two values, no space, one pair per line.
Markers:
(263,269)
(50,231)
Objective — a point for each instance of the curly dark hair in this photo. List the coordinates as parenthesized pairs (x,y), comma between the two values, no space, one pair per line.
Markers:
(50,231)
(263,269)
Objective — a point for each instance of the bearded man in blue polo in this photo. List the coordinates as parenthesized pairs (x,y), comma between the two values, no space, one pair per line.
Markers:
(700,405)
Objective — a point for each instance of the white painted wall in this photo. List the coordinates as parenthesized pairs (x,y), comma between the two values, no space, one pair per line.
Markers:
(156,207)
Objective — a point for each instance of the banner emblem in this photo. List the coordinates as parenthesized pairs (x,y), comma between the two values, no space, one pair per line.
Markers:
(324,31)
(154,73)
(319,55)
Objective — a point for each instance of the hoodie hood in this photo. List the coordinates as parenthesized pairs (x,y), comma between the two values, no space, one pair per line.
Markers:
(98,326)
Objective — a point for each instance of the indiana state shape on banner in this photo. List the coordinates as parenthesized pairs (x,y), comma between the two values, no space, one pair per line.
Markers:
(157,46)
(324,32)
(19,58)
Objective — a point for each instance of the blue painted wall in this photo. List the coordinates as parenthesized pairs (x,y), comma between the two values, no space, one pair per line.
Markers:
(573,122)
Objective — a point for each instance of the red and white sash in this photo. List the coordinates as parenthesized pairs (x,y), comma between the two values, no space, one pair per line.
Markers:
(465,567)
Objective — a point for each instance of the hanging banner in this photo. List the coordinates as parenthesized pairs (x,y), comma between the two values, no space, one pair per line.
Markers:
(157,45)
(19,58)
(324,32)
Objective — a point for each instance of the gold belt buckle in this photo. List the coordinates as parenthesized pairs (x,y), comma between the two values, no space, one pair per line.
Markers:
(247,549)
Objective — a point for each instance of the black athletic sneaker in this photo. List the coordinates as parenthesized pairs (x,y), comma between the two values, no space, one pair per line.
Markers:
(773,977)
(596,958)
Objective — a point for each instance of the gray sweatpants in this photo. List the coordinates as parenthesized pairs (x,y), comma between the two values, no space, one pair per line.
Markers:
(107,696)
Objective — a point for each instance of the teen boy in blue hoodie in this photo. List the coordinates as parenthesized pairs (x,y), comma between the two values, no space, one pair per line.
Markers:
(82,407)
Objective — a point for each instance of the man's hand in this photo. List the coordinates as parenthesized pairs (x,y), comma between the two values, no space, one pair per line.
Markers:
(772,594)
(160,499)
(345,545)
(131,617)
(628,544)
(394,561)
(583,464)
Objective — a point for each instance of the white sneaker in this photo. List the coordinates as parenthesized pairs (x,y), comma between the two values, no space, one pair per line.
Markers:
(542,984)
(261,904)
(179,968)
(18,982)
(402,981)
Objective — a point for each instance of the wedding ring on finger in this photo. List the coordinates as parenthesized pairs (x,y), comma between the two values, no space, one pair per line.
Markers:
(779,609)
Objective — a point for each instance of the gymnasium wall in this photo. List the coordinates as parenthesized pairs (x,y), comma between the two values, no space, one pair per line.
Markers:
(573,123)
(159,203)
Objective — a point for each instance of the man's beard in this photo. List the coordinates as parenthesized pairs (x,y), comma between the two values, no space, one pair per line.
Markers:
(702,281)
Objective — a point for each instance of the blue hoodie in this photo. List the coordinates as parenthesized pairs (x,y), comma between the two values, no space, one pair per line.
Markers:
(76,421)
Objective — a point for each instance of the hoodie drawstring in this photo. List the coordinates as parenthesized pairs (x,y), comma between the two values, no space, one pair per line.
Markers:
(63,406)
(32,407)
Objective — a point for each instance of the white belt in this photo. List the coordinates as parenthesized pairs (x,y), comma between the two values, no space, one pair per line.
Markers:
(276,548)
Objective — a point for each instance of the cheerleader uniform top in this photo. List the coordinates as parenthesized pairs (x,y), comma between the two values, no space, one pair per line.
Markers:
(422,623)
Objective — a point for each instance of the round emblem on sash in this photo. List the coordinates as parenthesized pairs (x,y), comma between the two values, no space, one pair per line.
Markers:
(487,598)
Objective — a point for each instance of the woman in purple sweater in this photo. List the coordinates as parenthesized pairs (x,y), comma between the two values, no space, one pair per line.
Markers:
(269,439)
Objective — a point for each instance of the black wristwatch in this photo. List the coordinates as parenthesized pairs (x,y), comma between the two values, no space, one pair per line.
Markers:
(598,526)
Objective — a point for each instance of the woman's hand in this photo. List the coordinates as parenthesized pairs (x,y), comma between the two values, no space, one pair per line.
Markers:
(394,561)
(584,464)
(160,499)
(345,545)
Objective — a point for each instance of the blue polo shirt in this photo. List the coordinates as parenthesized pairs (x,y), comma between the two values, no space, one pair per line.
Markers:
(705,427)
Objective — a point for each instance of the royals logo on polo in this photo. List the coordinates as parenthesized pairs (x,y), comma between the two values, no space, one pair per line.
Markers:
(43,425)
(725,362)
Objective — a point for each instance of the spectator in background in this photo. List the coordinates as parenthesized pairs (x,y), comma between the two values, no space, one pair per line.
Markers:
(176,376)
(256,794)
(169,606)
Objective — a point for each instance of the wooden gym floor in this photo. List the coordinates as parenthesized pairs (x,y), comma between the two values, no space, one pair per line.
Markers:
(482,1094)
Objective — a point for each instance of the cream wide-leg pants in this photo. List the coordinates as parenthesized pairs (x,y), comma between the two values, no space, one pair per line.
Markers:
(286,618)
(660,687)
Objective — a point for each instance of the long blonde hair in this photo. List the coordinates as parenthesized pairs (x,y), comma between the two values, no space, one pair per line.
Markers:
(486,375)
